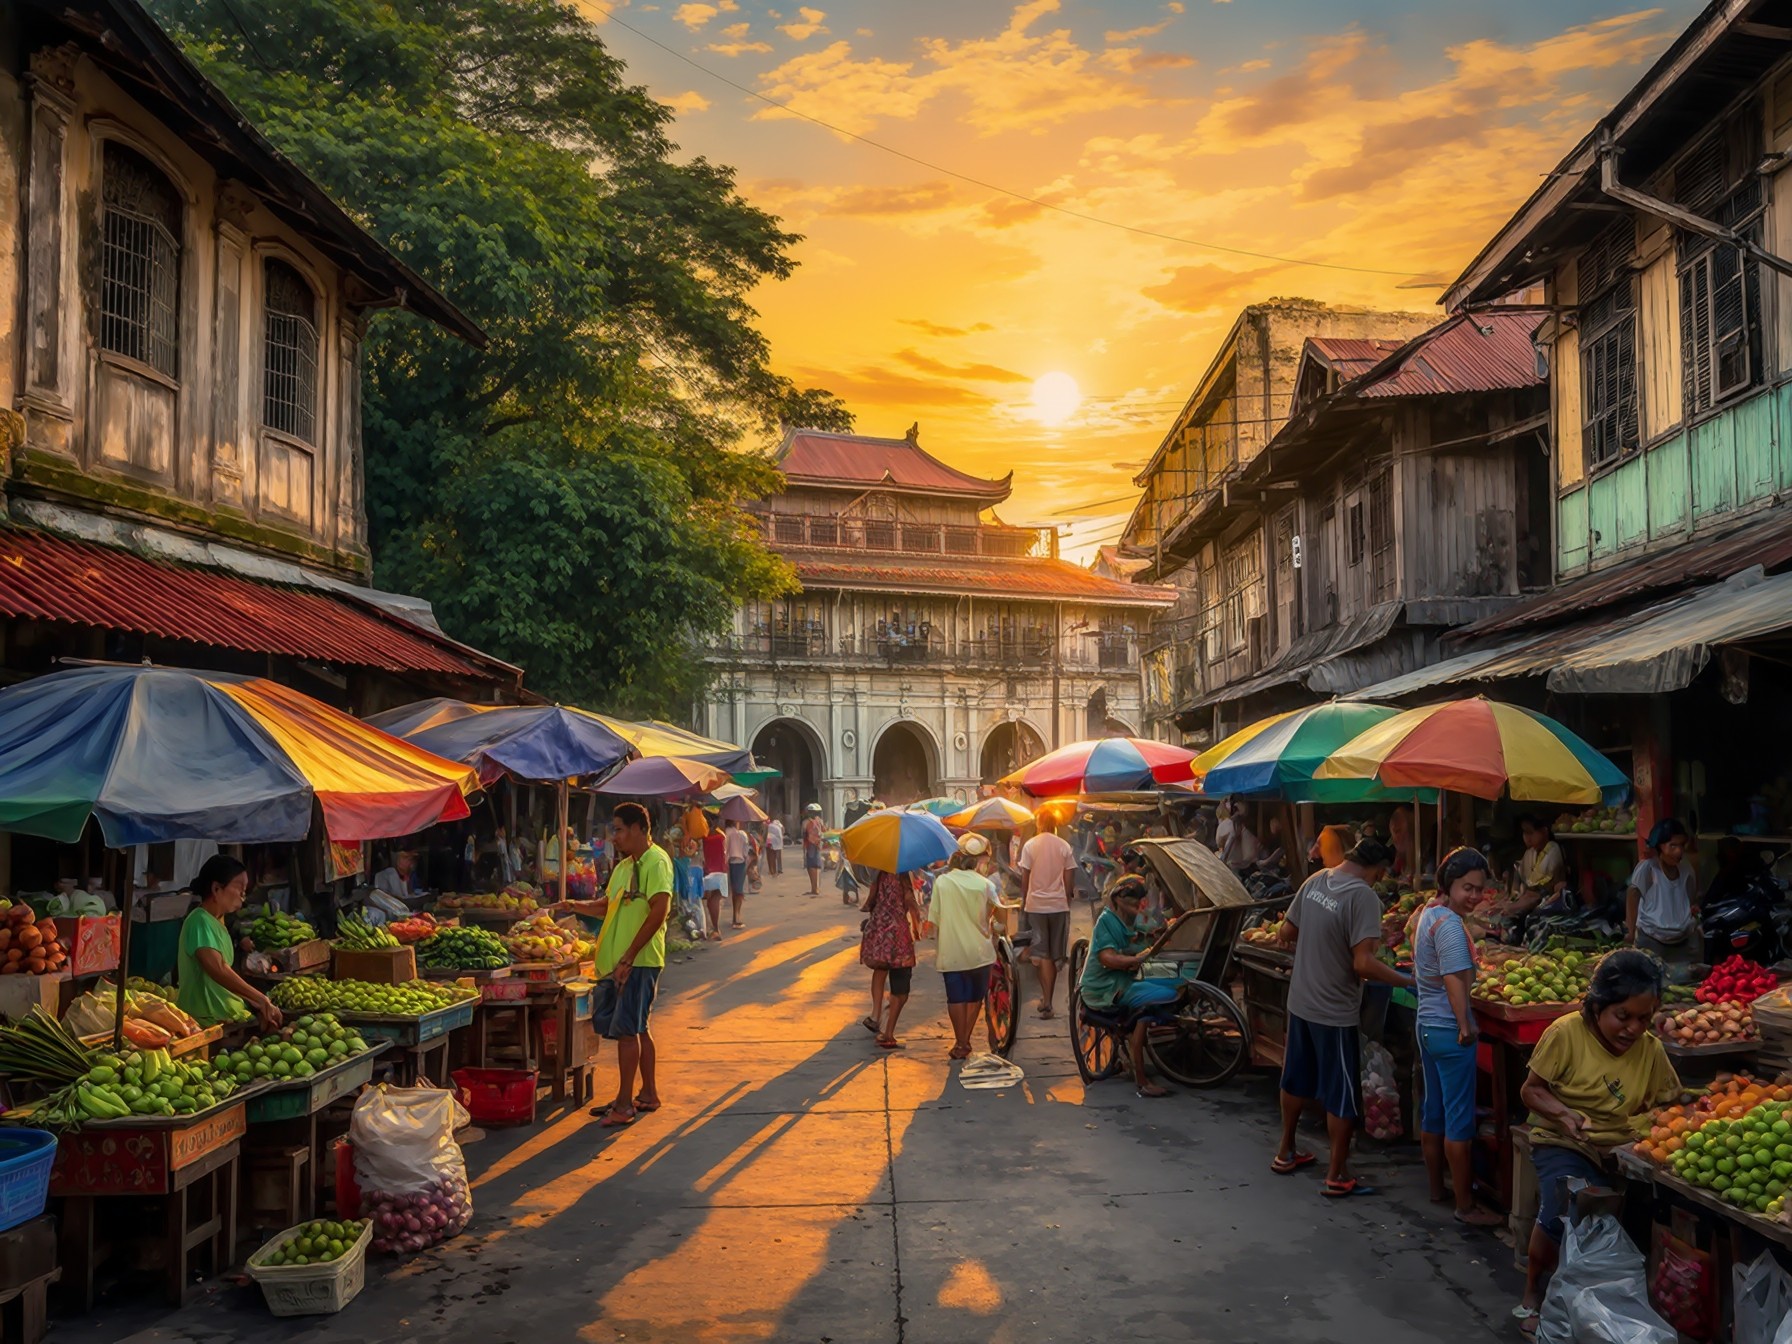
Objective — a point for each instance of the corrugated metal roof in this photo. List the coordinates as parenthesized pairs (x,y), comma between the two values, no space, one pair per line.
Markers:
(1351,355)
(812,457)
(1486,351)
(48,578)
(1308,653)
(1766,542)
(1017,577)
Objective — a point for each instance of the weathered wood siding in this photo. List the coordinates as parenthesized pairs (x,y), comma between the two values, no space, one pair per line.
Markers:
(1565,391)
(1458,523)
(1658,337)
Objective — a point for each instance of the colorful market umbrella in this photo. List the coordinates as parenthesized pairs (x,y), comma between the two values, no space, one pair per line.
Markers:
(533,742)
(742,809)
(156,754)
(653,738)
(992,814)
(1276,757)
(938,807)
(1480,747)
(420,714)
(664,777)
(897,842)
(1104,765)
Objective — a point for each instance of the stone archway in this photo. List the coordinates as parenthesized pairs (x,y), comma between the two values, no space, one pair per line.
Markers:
(1008,747)
(904,764)
(794,748)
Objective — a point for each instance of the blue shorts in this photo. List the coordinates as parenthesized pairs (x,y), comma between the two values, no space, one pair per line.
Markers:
(1554,1167)
(737,879)
(967,986)
(614,1014)
(1324,1064)
(811,856)
(1449,1107)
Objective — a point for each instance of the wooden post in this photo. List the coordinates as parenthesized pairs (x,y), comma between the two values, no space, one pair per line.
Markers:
(125,900)
(565,847)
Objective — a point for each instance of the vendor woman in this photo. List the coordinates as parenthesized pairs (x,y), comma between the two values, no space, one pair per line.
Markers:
(210,990)
(1593,1073)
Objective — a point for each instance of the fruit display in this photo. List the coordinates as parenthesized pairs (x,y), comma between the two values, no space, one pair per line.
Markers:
(1394,922)
(445,992)
(1680,994)
(273,930)
(1746,1162)
(1717,1024)
(1736,980)
(518,898)
(464,950)
(540,939)
(1538,977)
(415,929)
(1729,1097)
(318,1243)
(1684,1289)
(413,1221)
(29,945)
(149,1020)
(1264,935)
(108,1086)
(354,932)
(305,1046)
(1598,821)
(310,994)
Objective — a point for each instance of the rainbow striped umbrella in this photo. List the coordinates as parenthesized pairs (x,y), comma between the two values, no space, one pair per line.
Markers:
(992,814)
(1276,757)
(1104,765)
(895,841)
(1480,747)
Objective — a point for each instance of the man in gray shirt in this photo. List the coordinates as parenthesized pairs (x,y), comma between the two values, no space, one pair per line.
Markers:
(1334,925)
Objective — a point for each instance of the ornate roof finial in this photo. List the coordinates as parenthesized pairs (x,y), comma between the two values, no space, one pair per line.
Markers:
(914,435)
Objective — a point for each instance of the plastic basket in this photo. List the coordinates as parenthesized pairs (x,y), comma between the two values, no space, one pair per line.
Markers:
(26,1156)
(497,1096)
(311,1290)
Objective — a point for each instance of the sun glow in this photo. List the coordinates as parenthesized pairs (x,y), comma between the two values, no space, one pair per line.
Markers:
(1055,398)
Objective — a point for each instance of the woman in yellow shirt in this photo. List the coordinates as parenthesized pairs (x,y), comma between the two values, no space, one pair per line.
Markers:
(1591,1076)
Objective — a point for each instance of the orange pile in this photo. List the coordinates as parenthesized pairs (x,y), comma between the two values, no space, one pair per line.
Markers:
(1730,1097)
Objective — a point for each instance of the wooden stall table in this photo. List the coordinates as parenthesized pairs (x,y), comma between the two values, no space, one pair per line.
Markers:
(1264,973)
(507,1002)
(1701,1063)
(285,1115)
(1509,1031)
(422,1042)
(27,1269)
(189,1161)
(564,1039)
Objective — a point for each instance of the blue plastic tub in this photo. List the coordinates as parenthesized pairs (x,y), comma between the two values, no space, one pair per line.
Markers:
(26,1156)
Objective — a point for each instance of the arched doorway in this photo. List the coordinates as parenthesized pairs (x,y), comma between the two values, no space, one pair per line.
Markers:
(902,765)
(793,748)
(1008,747)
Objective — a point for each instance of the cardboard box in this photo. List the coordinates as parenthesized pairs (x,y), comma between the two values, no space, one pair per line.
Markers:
(378,966)
(94,947)
(18,993)
(305,956)
(163,905)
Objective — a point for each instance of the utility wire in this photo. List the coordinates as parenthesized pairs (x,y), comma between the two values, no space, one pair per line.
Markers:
(977,181)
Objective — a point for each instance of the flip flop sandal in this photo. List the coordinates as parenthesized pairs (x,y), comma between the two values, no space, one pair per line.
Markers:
(1154,1096)
(647,1107)
(1345,1189)
(891,1045)
(1287,1166)
(599,1112)
(870,1024)
(614,1121)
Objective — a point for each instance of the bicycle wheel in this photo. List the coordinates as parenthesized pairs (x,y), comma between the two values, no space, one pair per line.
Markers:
(1001,1006)
(1205,1044)
(1097,1049)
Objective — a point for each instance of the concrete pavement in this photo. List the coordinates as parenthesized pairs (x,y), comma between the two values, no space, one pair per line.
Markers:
(801,1185)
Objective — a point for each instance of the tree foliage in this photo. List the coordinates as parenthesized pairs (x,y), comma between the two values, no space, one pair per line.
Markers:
(568,497)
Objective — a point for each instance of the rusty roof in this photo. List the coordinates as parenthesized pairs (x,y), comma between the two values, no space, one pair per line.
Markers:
(813,457)
(50,578)
(1487,351)
(1349,356)
(979,576)
(1766,542)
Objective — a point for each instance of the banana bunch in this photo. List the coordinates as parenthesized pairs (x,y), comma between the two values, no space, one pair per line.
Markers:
(356,934)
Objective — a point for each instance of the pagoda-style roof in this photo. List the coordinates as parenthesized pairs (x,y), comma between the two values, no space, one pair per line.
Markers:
(817,459)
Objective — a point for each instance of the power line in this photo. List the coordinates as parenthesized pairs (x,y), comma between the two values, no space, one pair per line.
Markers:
(977,181)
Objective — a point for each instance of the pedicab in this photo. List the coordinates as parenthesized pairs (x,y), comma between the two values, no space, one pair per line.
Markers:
(1201,1039)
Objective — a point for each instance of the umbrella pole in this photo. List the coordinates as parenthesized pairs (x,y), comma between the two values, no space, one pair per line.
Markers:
(565,845)
(127,898)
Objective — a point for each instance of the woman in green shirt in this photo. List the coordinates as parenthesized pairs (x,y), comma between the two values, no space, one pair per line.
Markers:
(210,991)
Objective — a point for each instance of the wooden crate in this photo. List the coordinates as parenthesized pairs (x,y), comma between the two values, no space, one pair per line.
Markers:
(305,956)
(377,966)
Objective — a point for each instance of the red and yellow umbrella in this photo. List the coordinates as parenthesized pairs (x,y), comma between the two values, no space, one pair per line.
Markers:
(1104,765)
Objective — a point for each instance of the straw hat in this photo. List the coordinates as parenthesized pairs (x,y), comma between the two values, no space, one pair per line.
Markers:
(973,844)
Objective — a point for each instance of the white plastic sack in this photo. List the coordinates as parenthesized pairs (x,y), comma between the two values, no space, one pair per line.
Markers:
(1600,1292)
(412,1176)
(1783,1335)
(1763,1301)
(1381,1093)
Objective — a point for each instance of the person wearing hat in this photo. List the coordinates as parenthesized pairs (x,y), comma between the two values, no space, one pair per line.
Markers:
(812,829)
(963,901)
(1112,983)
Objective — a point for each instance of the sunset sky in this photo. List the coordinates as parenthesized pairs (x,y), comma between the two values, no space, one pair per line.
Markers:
(1388,135)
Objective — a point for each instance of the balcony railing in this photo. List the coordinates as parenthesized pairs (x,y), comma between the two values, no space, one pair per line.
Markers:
(1023,652)
(902,538)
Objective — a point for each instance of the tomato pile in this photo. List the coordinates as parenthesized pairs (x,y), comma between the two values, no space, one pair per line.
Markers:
(1737,980)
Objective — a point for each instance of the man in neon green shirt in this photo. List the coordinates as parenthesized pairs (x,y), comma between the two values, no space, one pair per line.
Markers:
(631,952)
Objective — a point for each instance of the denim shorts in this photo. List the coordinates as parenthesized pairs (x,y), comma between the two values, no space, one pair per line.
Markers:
(616,1014)
(967,986)
(1449,1107)
(1554,1167)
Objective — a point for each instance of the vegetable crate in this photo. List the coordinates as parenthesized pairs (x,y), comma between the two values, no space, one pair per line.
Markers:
(293,1099)
(303,956)
(497,1096)
(26,1156)
(505,991)
(311,1290)
(378,966)
(413,1030)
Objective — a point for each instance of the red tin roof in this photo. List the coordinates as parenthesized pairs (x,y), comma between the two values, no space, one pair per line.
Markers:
(979,576)
(1485,351)
(813,457)
(50,578)
(1351,355)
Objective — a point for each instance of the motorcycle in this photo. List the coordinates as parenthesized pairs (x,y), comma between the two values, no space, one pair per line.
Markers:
(1747,916)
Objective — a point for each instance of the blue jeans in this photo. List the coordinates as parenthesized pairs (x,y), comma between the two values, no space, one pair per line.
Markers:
(1449,1107)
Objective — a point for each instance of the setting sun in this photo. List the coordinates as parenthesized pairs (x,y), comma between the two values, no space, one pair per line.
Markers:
(1055,398)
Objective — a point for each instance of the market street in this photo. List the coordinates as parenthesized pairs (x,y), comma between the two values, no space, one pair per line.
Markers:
(801,1186)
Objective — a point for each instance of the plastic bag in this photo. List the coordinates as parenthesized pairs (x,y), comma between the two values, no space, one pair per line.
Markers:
(1684,1288)
(1600,1292)
(1381,1094)
(413,1179)
(1763,1294)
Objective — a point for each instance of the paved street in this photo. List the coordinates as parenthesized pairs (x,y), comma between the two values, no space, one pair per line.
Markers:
(802,1186)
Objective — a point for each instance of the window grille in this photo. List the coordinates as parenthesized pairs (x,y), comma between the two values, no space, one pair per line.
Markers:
(1720,307)
(1383,579)
(140,261)
(1608,345)
(289,378)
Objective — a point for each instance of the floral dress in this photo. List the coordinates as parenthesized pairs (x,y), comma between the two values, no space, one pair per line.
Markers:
(887,943)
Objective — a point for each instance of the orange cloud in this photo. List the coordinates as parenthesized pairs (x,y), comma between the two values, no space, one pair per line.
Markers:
(688,102)
(1194,289)
(935,329)
(810,24)
(919,199)
(696,16)
(887,388)
(974,373)
(1115,38)
(738,48)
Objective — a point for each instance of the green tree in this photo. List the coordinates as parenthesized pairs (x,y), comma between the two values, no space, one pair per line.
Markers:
(569,497)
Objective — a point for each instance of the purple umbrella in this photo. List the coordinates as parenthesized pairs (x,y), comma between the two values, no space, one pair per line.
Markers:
(664,777)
